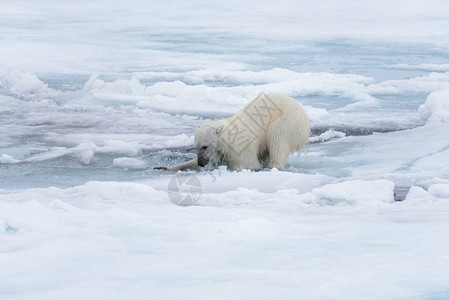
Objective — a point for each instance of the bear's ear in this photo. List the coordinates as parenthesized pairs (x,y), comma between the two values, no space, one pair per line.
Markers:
(219,129)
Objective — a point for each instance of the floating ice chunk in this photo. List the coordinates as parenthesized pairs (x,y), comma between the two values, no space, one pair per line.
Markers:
(245,77)
(85,152)
(416,193)
(8,159)
(121,86)
(436,107)
(129,163)
(437,193)
(168,89)
(53,153)
(180,141)
(328,135)
(93,83)
(422,84)
(357,191)
(132,86)
(316,113)
(119,146)
(22,84)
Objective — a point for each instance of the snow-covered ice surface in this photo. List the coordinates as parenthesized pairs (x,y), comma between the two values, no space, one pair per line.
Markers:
(93,94)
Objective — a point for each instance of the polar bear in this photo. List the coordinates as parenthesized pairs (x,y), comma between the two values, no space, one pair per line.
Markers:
(262,134)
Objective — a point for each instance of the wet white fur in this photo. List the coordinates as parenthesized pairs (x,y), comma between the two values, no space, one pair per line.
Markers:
(285,130)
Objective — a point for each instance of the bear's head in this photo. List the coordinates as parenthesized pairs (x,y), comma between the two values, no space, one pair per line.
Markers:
(206,141)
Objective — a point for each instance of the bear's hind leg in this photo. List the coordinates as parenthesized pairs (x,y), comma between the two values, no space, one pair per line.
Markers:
(279,142)
(278,155)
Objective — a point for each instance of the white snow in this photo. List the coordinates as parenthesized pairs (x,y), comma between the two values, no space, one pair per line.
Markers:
(440,190)
(353,191)
(111,240)
(327,135)
(129,163)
